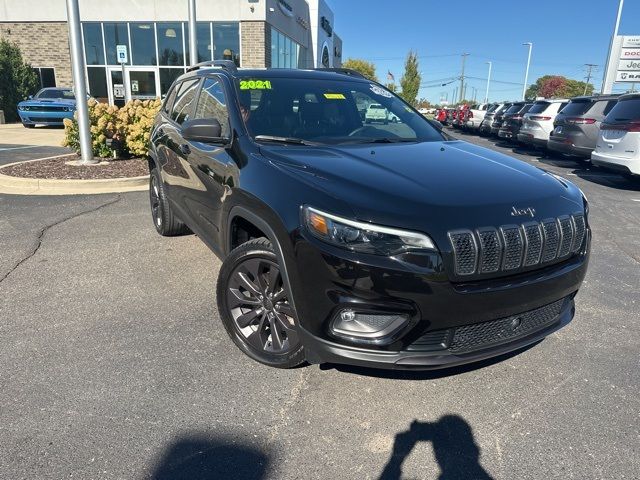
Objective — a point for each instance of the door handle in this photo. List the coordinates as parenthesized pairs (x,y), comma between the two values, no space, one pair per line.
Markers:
(184,149)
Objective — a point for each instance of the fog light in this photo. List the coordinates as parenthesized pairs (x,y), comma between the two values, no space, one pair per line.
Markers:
(367,327)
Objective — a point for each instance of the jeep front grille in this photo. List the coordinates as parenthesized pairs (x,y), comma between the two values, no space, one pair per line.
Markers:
(512,247)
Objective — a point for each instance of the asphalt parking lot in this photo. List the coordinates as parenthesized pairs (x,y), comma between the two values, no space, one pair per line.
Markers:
(113,364)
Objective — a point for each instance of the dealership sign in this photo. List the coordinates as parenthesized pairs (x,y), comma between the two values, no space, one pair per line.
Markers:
(633,53)
(628,65)
(630,42)
(628,77)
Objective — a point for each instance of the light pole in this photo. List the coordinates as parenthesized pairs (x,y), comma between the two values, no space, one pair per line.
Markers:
(607,81)
(486,95)
(80,88)
(193,43)
(526,75)
(461,92)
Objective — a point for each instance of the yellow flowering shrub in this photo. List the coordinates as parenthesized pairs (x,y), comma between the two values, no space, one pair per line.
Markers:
(130,125)
(136,120)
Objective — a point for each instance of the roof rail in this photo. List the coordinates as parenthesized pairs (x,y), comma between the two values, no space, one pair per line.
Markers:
(343,71)
(224,64)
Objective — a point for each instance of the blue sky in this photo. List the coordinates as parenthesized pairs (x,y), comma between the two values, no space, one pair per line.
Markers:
(565,34)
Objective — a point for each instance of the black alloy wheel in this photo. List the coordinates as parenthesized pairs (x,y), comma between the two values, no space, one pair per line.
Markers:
(255,306)
(164,220)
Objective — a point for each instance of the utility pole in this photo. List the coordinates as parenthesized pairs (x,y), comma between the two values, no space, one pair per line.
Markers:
(526,75)
(464,59)
(590,66)
(455,93)
(607,80)
(486,95)
(80,88)
(193,42)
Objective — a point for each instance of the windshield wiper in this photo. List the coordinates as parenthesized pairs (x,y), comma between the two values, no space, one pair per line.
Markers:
(386,140)
(285,140)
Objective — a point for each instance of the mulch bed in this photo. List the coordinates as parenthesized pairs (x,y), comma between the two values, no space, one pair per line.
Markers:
(56,168)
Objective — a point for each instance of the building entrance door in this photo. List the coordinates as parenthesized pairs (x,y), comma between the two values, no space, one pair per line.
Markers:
(116,87)
(143,83)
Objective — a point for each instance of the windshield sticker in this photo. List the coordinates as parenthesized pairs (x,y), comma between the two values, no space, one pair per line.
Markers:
(255,85)
(334,96)
(380,91)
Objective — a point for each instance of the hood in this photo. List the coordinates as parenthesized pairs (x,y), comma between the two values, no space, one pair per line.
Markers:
(48,101)
(430,185)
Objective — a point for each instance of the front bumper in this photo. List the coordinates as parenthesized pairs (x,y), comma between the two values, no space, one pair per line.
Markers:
(29,117)
(332,279)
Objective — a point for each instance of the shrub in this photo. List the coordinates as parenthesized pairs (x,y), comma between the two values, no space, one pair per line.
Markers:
(17,80)
(130,125)
(136,120)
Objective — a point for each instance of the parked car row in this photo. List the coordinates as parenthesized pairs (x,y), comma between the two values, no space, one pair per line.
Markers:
(604,129)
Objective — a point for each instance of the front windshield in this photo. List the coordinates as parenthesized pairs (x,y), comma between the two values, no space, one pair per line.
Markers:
(329,112)
(56,93)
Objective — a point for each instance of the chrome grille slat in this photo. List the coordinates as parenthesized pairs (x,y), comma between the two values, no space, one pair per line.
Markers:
(508,248)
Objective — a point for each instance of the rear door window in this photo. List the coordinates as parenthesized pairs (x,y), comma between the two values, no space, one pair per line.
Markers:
(625,111)
(183,106)
(577,107)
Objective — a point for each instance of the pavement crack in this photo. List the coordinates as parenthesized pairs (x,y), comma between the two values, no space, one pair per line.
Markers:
(45,229)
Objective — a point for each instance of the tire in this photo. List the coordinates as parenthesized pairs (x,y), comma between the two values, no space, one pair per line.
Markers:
(164,219)
(253,303)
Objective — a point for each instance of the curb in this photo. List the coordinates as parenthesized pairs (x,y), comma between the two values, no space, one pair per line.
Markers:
(35,186)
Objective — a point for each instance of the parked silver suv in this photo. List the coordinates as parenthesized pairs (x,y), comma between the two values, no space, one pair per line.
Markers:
(537,124)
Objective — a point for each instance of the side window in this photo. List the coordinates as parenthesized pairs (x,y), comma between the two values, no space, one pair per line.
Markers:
(213,104)
(168,101)
(183,105)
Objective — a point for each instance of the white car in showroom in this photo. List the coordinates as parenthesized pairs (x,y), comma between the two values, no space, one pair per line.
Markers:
(618,146)
(537,123)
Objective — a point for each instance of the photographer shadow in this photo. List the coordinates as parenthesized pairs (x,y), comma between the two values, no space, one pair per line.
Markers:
(453,446)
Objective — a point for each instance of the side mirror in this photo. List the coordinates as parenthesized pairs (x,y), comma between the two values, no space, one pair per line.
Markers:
(435,124)
(205,130)
(30,97)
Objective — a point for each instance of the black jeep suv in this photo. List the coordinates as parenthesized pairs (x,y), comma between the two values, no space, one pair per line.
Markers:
(382,245)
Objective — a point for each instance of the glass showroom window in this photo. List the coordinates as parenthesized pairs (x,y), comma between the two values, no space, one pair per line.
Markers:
(226,41)
(93,45)
(170,44)
(203,37)
(115,34)
(98,83)
(284,51)
(143,44)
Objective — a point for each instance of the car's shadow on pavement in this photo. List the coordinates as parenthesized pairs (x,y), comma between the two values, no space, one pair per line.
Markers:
(454,447)
(201,457)
(424,374)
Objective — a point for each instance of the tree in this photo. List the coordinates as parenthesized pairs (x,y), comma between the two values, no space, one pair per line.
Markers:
(557,86)
(17,80)
(410,81)
(367,69)
(423,103)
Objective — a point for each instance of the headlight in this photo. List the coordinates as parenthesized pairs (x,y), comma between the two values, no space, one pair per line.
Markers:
(24,107)
(363,237)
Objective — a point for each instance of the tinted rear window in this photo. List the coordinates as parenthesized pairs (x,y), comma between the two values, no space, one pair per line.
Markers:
(493,108)
(539,107)
(624,111)
(577,107)
(514,109)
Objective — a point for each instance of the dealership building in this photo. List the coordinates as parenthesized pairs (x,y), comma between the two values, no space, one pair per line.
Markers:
(252,33)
